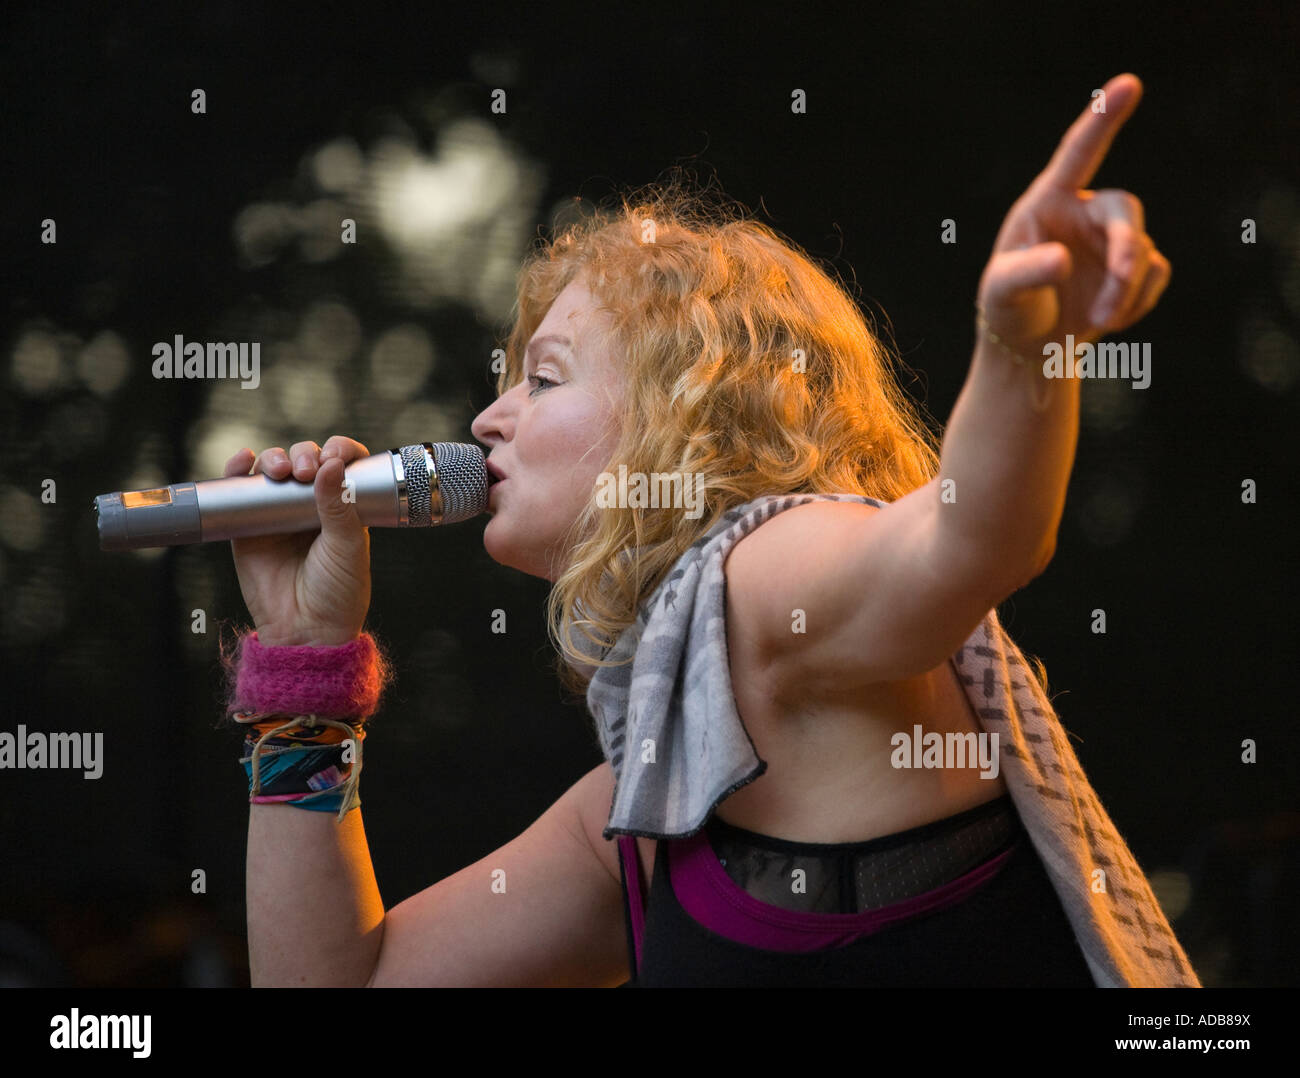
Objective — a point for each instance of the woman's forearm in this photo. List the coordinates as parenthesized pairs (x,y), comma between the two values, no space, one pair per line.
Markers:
(1009,464)
(315,917)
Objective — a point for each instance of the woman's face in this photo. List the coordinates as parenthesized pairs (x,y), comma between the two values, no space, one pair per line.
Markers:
(551,435)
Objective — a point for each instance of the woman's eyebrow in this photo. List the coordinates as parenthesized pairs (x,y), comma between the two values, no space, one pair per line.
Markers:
(548,337)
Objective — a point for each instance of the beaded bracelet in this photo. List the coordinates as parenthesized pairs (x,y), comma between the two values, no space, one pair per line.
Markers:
(982,326)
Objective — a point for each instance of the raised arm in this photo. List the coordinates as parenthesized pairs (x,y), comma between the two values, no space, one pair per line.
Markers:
(891,593)
(1068,265)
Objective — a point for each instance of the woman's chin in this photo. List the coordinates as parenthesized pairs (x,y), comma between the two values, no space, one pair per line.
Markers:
(507,550)
(500,550)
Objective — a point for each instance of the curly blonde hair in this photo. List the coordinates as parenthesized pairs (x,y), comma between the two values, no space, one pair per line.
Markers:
(745,364)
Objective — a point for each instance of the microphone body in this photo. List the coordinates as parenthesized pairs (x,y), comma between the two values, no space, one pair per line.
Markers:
(415,486)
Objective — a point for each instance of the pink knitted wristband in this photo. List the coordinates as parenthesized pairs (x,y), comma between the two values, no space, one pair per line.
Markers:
(333,682)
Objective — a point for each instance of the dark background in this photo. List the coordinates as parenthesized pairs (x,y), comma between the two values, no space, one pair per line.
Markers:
(224,226)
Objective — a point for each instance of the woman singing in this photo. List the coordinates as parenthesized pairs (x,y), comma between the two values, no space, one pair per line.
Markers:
(826,763)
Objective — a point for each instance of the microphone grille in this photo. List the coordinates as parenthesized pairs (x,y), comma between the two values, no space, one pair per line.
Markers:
(460,474)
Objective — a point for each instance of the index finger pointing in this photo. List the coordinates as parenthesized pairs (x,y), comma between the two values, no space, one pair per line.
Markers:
(1088,140)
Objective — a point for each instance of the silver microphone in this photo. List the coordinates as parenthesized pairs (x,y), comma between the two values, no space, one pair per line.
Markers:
(415,486)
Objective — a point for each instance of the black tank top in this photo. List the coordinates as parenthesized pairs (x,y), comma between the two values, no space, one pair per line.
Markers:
(979,911)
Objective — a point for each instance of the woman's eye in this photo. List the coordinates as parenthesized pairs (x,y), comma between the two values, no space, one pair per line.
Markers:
(538,378)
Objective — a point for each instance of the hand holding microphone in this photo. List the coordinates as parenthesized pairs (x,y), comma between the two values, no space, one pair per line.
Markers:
(415,486)
(303,588)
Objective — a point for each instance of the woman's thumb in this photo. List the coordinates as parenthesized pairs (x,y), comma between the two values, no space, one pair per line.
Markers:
(336,502)
(1040,266)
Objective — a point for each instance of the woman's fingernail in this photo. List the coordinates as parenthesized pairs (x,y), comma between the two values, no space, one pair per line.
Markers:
(303,461)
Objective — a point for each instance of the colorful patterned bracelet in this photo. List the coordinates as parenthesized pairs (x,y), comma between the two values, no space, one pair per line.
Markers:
(296,762)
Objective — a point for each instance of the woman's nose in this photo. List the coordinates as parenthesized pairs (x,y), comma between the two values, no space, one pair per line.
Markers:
(493,421)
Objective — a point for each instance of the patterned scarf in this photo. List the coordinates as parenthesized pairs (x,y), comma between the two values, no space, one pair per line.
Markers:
(668,725)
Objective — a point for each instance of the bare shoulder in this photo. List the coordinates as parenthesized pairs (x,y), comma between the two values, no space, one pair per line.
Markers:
(842,595)
(768,570)
(800,519)
(800,531)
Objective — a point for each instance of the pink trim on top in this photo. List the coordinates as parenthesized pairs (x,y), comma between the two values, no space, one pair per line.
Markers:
(711,898)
